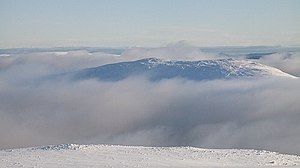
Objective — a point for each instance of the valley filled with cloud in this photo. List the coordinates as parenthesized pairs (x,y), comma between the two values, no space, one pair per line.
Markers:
(35,109)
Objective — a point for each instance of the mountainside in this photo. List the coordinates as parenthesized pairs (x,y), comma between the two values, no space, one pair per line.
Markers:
(72,155)
(156,69)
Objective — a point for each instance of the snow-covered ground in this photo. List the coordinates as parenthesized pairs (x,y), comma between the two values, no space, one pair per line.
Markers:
(72,155)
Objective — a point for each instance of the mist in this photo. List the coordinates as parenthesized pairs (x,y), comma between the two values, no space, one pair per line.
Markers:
(174,51)
(256,114)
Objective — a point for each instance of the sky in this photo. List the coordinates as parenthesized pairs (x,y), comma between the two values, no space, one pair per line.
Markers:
(148,23)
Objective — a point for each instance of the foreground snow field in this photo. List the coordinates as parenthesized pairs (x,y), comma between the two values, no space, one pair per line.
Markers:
(72,155)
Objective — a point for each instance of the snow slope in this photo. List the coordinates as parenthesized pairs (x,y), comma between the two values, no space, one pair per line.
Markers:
(156,69)
(72,155)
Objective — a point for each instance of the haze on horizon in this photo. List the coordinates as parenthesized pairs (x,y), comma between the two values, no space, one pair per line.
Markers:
(145,23)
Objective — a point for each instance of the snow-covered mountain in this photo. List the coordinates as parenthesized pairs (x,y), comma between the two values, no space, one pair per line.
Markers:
(156,69)
(73,155)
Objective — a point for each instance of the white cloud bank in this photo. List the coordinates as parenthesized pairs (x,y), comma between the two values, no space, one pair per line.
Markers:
(288,62)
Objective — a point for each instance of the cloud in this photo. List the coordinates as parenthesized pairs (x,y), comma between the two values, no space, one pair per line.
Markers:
(260,114)
(176,51)
(58,61)
(217,114)
(288,62)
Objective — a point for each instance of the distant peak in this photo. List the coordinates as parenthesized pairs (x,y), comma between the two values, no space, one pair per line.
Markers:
(157,69)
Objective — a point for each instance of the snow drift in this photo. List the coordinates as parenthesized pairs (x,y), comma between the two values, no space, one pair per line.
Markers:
(73,155)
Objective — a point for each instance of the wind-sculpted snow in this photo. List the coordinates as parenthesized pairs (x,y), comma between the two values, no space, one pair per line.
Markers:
(73,155)
(157,69)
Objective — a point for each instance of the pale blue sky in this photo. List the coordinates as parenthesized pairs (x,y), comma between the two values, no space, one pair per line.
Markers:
(115,23)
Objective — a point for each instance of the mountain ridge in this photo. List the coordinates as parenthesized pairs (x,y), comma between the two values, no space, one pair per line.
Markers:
(157,69)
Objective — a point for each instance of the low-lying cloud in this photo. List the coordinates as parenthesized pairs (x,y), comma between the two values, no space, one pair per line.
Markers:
(58,61)
(174,51)
(259,114)
(288,62)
